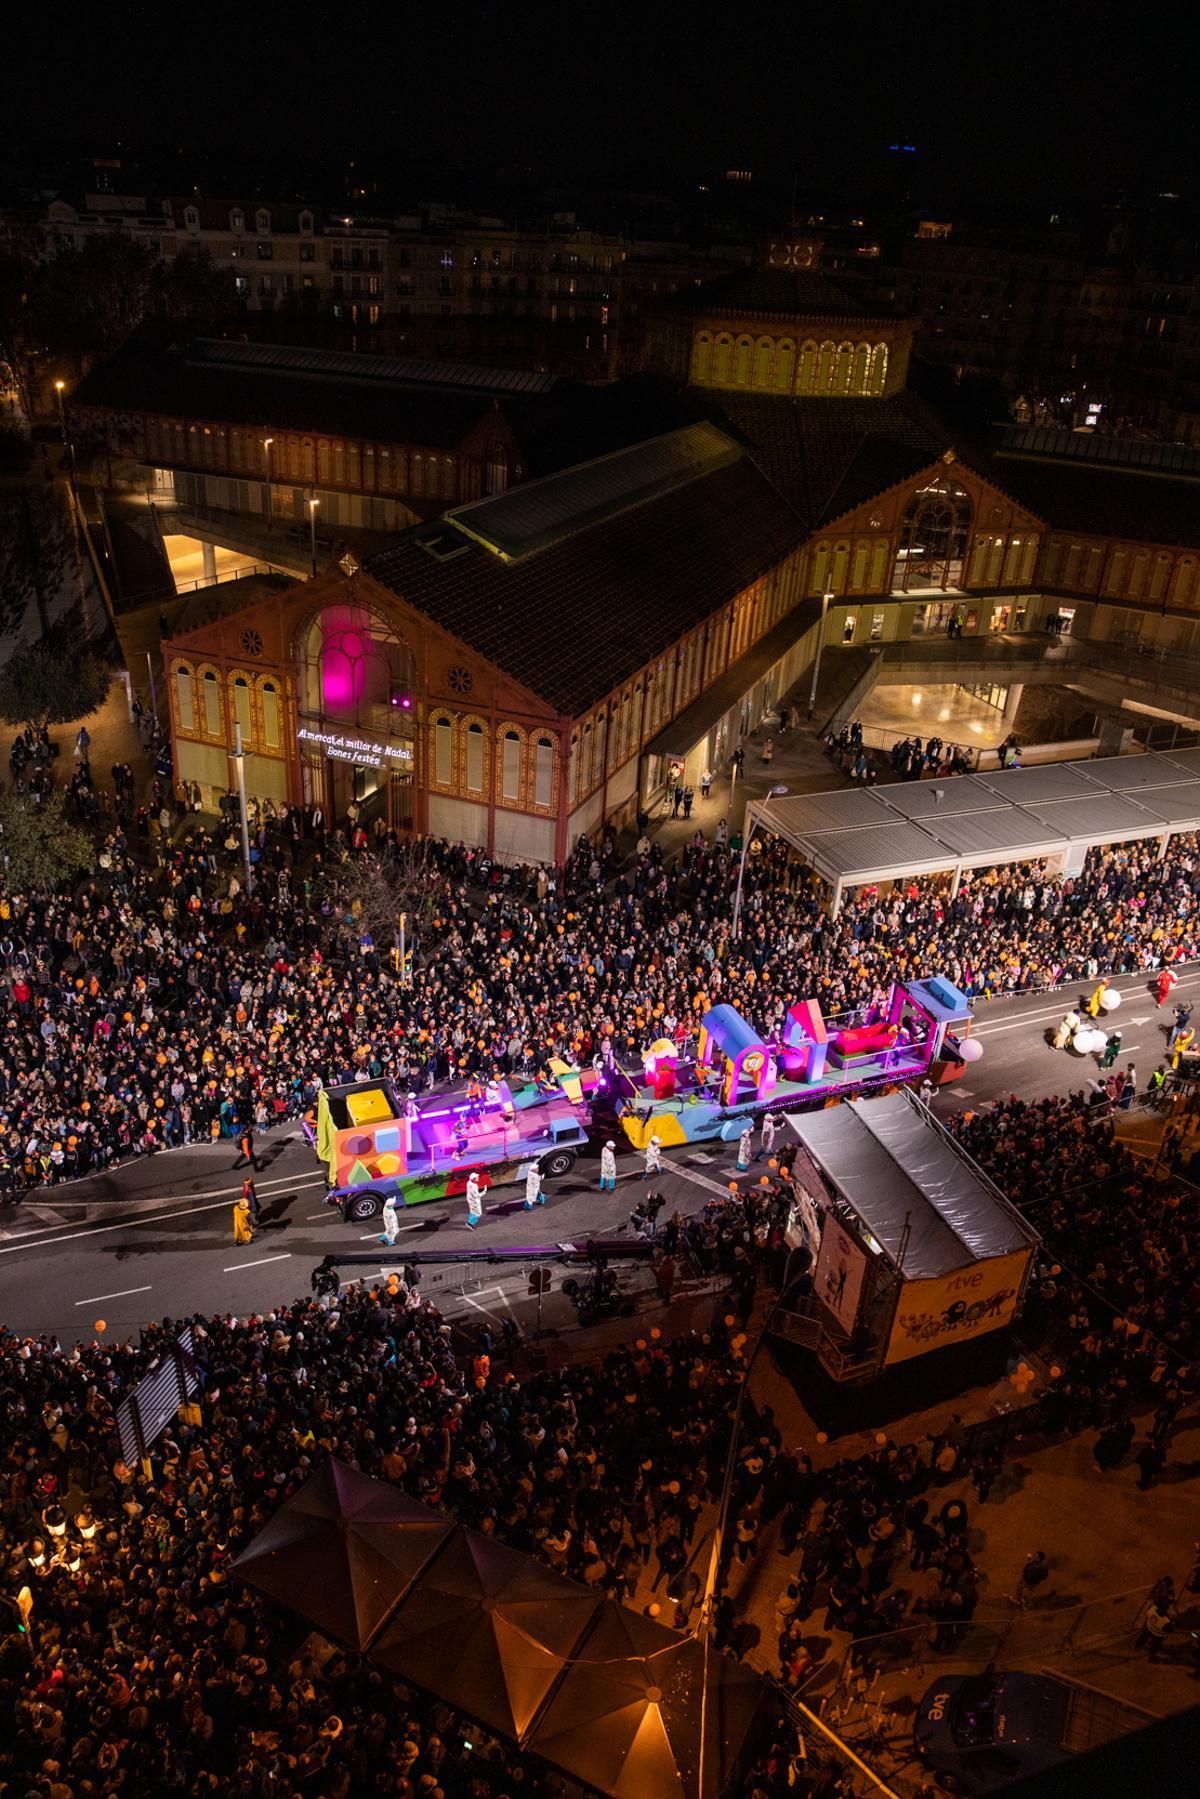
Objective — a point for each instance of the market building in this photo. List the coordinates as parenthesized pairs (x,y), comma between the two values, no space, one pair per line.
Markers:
(500,675)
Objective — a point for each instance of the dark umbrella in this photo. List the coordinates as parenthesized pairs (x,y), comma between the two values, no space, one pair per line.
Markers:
(488,1630)
(626,1717)
(342,1552)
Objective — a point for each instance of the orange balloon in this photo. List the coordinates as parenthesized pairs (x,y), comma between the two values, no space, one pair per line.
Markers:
(764,1180)
(822,1436)
(101,1326)
(733,1186)
(773,1163)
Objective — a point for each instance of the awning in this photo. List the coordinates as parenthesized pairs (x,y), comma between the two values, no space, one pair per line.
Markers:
(343,1551)
(923,1200)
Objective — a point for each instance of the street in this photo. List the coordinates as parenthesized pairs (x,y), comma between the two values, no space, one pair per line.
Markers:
(155,1237)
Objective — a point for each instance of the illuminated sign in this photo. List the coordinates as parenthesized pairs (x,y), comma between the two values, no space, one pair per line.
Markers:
(358,750)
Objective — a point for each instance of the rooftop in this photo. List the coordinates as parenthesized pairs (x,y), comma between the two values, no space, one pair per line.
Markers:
(796,293)
(976,821)
(606,573)
(930,1208)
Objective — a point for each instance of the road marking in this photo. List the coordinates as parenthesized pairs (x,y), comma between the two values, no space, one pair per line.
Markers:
(123,1294)
(69,1224)
(100,1230)
(700,1180)
(486,1310)
(261,1263)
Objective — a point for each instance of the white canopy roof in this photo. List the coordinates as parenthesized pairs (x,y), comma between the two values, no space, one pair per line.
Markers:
(856,835)
(899,1172)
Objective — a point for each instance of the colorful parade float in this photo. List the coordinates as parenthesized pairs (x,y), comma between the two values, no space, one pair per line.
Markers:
(375,1147)
(919,1032)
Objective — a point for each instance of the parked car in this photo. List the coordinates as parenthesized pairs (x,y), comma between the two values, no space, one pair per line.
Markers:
(977,1733)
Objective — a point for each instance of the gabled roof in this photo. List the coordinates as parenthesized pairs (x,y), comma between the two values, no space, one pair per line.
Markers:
(1105,502)
(827,456)
(585,611)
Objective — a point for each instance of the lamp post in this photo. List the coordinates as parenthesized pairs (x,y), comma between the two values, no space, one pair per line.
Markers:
(312,504)
(266,443)
(239,758)
(812,692)
(60,388)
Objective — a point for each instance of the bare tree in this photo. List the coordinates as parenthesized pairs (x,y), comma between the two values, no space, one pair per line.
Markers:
(391,898)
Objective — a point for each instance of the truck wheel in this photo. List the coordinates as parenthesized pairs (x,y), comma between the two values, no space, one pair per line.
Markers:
(362,1207)
(558,1162)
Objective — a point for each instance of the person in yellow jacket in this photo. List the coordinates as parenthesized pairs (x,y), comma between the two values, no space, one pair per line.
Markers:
(1096,1002)
(243,1222)
(1181,1046)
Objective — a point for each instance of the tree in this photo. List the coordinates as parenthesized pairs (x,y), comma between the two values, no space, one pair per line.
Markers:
(39,846)
(85,303)
(53,682)
(379,892)
(193,289)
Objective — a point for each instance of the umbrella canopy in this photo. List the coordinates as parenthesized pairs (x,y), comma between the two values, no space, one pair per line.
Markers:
(488,1630)
(342,1551)
(625,1719)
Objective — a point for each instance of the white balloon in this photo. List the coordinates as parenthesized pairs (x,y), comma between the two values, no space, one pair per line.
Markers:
(1088,1042)
(1111,1000)
(970,1049)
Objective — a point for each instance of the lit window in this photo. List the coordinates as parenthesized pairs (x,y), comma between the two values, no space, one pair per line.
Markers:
(511,779)
(183,694)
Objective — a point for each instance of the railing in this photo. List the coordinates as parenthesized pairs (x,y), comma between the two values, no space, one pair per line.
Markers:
(241,574)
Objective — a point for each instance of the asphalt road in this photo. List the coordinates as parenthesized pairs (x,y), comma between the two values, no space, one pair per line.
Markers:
(156,1237)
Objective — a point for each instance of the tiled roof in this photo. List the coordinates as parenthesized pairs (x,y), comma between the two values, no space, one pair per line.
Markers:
(1105,502)
(576,620)
(801,293)
(827,456)
(171,382)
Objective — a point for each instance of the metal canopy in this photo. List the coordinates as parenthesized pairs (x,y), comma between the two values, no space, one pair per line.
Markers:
(853,836)
(901,1173)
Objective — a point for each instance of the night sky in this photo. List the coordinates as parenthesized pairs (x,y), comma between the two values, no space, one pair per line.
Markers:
(1016,103)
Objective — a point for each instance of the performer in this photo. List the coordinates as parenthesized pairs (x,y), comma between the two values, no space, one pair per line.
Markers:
(391,1221)
(533,1187)
(608,1168)
(476,1188)
(1097,999)
(491,1093)
(745,1149)
(251,1199)
(1166,980)
(460,1138)
(653,1158)
(1064,1035)
(243,1223)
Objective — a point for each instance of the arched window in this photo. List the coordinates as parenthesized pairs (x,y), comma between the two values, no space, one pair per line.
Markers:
(785,366)
(825,355)
(476,758)
(701,370)
(806,380)
(339,463)
(741,362)
(933,536)
(443,751)
(417,479)
(324,461)
(270,714)
(722,363)
(761,378)
(212,704)
(308,460)
(358,671)
(242,711)
(295,464)
(543,772)
(879,363)
(368,474)
(510,766)
(353,478)
(185,702)
(574,771)
(842,368)
(860,382)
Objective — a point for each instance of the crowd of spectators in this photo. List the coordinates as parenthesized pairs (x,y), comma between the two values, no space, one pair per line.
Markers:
(151,1669)
(1120,1266)
(160,1004)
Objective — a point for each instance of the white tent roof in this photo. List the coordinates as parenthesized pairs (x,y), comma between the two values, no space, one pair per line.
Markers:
(896,1167)
(856,835)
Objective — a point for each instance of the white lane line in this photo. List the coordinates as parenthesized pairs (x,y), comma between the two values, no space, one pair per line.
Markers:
(123,1294)
(699,1180)
(261,1263)
(100,1230)
(41,1230)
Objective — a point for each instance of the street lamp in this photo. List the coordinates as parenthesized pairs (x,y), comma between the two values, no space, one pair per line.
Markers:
(266,444)
(239,760)
(812,692)
(312,505)
(60,388)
